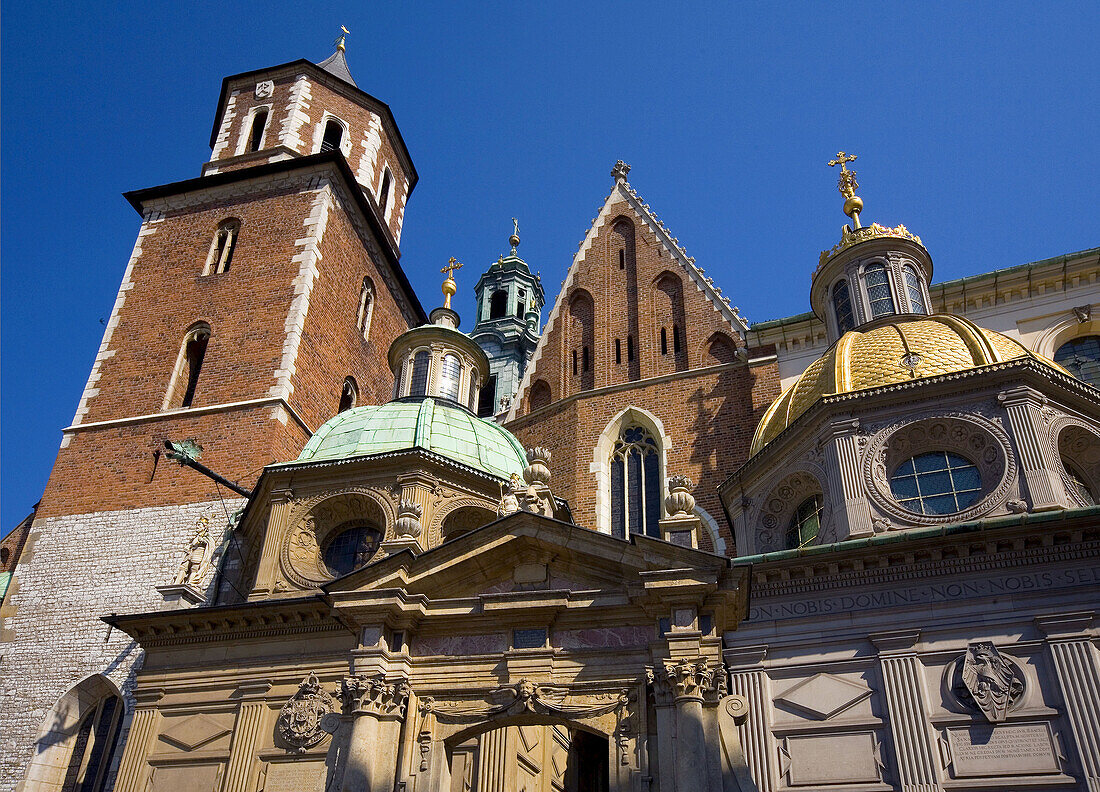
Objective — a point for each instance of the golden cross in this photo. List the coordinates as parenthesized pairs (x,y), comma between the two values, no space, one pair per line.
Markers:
(842,160)
(452,264)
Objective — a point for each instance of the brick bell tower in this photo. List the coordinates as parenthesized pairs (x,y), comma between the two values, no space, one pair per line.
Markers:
(260,299)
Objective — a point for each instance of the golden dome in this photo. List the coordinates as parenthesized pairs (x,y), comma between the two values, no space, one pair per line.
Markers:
(899,350)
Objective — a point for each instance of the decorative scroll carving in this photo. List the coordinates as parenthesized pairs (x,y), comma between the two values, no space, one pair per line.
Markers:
(375,696)
(988,681)
(732,711)
(694,679)
(306,717)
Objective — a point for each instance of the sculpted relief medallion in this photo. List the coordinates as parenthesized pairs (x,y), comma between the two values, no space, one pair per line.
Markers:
(304,719)
(986,680)
(318,524)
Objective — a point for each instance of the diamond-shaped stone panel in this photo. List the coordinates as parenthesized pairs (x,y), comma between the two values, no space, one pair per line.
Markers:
(190,733)
(824,695)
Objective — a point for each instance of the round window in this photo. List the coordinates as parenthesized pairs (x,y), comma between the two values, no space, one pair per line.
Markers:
(938,482)
(351,547)
(805,523)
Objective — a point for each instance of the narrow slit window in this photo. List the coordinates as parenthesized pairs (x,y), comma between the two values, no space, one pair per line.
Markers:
(349,394)
(622,259)
(842,307)
(521,303)
(384,192)
(574,362)
(664,341)
(618,352)
(366,308)
(259,124)
(334,134)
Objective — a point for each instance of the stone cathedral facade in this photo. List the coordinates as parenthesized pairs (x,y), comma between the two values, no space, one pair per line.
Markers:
(643,546)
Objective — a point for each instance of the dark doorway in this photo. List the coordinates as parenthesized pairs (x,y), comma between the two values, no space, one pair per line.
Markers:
(586,770)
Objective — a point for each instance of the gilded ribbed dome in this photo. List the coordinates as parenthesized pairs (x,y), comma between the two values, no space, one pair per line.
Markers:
(900,350)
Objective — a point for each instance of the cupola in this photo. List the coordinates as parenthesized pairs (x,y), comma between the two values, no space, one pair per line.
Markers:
(872,273)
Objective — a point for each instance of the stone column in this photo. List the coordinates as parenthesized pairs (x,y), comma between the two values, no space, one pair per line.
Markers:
(904,691)
(246,735)
(1038,462)
(378,711)
(842,468)
(687,682)
(1075,664)
(752,685)
(133,770)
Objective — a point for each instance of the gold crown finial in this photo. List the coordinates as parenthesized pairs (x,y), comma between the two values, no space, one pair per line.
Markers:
(847,185)
(449,286)
(514,239)
(339,42)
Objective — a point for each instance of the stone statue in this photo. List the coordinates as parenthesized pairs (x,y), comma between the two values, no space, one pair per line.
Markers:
(509,499)
(196,561)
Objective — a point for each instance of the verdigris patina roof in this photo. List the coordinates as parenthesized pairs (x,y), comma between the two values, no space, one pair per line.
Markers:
(432,424)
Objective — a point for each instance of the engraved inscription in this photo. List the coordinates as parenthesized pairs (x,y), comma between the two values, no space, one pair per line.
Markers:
(1003,750)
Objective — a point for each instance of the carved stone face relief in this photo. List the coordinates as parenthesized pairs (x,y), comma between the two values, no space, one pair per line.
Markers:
(318,525)
(985,680)
(305,719)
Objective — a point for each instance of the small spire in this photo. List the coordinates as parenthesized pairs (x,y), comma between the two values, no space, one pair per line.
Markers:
(514,239)
(620,171)
(449,286)
(340,39)
(847,185)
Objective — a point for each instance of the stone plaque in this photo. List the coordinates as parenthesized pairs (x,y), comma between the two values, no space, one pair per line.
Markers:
(300,776)
(833,759)
(1011,749)
(190,778)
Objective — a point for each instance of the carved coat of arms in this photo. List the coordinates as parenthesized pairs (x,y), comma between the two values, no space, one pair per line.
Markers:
(992,681)
(303,721)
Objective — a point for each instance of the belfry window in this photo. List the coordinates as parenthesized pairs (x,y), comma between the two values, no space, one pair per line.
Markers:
(366,308)
(1081,357)
(334,134)
(879,294)
(259,124)
(384,192)
(635,484)
(498,304)
(185,378)
(349,394)
(450,377)
(487,398)
(914,290)
(521,303)
(421,363)
(221,249)
(842,306)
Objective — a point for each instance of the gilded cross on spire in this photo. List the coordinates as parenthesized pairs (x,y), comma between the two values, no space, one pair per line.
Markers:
(847,185)
(339,42)
(449,286)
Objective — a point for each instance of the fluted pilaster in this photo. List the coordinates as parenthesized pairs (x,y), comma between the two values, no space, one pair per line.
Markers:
(842,468)
(242,752)
(1037,461)
(133,769)
(752,685)
(1075,664)
(492,760)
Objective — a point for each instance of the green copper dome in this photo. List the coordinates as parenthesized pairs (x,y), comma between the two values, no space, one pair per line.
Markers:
(436,426)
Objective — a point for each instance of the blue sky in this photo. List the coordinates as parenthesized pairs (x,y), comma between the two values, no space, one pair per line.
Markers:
(975,125)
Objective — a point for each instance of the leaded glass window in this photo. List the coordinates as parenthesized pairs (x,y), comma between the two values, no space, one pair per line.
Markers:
(635,484)
(805,523)
(450,375)
(842,305)
(352,547)
(936,483)
(879,294)
(913,288)
(421,363)
(1081,356)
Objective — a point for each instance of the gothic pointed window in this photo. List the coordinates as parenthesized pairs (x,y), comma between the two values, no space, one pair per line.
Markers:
(842,307)
(384,192)
(914,290)
(880,297)
(421,363)
(334,134)
(635,484)
(221,248)
(185,377)
(366,307)
(259,124)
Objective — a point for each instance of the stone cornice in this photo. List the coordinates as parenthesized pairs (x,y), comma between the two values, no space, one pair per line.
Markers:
(188,412)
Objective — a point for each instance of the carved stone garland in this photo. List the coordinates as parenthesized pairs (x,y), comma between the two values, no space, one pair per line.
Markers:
(312,526)
(983,442)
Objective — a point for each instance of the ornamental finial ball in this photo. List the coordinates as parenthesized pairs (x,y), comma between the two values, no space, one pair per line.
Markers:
(853,205)
(449,286)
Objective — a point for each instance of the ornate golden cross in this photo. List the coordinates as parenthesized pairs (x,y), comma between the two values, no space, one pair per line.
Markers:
(842,160)
(452,264)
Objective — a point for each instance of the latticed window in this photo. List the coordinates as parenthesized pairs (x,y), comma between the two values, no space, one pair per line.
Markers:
(913,287)
(450,374)
(421,363)
(879,294)
(1081,357)
(842,306)
(635,484)
(936,483)
(352,546)
(805,523)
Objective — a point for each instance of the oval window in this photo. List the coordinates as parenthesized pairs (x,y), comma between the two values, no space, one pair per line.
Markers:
(938,482)
(352,546)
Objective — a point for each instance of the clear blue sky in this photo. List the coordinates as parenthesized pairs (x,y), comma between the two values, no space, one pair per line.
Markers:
(975,125)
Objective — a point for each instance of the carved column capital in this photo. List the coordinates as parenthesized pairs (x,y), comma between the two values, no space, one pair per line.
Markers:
(362,695)
(687,680)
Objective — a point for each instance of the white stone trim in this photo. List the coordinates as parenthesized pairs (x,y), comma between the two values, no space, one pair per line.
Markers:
(296,116)
(148,228)
(601,457)
(371,145)
(308,258)
(221,143)
(246,128)
(1067,330)
(319,134)
(712,527)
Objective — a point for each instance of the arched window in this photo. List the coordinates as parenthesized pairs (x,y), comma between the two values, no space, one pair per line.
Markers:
(521,303)
(582,336)
(185,377)
(842,307)
(805,523)
(914,290)
(352,546)
(334,134)
(421,364)
(221,248)
(540,395)
(366,307)
(879,294)
(349,394)
(635,484)
(498,304)
(259,124)
(487,398)
(450,377)
(1081,357)
(384,192)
